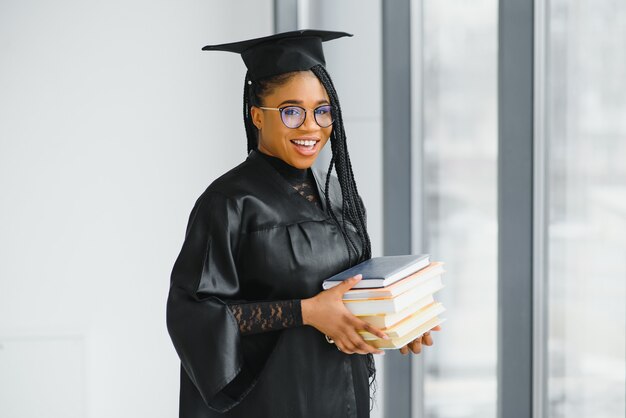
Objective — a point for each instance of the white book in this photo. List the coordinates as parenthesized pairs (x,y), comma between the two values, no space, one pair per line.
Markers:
(380,271)
(408,324)
(394,343)
(394,304)
(384,321)
(435,268)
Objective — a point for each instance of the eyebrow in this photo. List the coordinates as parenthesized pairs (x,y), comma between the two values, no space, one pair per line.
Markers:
(300,102)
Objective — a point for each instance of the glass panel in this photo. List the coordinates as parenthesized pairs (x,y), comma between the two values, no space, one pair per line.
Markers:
(460,151)
(587,208)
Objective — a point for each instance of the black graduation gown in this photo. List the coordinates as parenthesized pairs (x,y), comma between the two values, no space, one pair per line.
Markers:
(252,237)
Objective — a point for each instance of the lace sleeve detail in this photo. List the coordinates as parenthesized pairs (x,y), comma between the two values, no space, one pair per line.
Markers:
(256,317)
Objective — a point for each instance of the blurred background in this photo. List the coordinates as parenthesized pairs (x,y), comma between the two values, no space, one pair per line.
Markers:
(113,122)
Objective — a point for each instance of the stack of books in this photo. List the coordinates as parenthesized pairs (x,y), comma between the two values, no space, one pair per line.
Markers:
(396,295)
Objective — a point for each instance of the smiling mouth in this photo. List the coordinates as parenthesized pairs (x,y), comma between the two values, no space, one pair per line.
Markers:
(306,147)
(308,143)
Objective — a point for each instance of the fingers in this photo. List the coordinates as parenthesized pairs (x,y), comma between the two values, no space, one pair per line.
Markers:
(358,347)
(353,343)
(347,284)
(416,346)
(360,324)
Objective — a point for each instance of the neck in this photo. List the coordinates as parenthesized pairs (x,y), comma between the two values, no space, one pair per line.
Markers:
(283,167)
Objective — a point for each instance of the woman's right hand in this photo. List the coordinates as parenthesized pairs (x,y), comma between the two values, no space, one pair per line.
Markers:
(327,313)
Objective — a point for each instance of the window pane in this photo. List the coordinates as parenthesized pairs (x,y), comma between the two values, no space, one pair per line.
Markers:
(460,150)
(587,208)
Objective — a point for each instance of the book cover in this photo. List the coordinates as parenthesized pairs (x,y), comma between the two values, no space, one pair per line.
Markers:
(380,271)
(401,286)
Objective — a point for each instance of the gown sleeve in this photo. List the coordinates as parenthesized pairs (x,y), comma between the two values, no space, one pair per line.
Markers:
(258,317)
(203,329)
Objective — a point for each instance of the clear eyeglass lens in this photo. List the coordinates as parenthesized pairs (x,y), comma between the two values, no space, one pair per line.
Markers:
(324,116)
(293,116)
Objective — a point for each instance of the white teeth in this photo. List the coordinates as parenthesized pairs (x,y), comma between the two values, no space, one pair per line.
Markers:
(304,142)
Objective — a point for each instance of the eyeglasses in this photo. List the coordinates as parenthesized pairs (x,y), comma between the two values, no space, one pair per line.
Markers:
(293,116)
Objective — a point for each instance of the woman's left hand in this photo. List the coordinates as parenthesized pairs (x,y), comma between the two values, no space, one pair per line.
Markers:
(416,345)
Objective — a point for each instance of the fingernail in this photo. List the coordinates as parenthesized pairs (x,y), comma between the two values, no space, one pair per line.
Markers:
(385,337)
(358,277)
(382,353)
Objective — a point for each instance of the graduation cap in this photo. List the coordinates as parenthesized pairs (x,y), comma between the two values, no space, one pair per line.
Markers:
(281,53)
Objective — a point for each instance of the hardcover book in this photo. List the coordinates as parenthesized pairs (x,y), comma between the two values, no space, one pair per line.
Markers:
(380,271)
(373,306)
(383,321)
(395,343)
(401,286)
(410,323)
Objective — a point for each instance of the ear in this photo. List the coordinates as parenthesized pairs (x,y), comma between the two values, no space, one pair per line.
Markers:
(257,117)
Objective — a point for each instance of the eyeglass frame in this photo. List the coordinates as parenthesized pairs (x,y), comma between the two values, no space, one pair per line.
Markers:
(281,109)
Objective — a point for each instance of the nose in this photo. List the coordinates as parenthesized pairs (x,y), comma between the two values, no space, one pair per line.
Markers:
(309,121)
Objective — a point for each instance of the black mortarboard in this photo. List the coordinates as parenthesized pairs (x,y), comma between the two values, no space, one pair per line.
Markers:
(281,53)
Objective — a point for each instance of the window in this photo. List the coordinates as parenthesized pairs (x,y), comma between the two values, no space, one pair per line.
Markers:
(586,260)
(458,71)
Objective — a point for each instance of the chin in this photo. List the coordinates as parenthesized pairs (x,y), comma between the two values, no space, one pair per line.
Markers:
(303,162)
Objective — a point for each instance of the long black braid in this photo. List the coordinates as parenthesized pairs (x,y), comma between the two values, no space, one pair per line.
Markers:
(352,205)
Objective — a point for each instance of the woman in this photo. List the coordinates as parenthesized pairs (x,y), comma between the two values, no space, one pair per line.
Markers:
(255,335)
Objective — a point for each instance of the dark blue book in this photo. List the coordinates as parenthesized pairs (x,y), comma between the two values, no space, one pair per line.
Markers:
(380,271)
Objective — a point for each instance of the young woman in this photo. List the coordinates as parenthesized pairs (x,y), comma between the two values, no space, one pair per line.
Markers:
(255,334)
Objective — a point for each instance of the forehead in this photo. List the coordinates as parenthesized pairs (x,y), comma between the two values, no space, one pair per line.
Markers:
(302,86)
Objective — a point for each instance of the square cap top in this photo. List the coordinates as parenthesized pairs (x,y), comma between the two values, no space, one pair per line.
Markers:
(281,53)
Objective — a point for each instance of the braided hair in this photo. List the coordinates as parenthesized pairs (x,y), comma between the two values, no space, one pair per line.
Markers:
(353,209)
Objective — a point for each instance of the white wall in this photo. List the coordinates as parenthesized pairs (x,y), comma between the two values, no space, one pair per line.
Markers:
(112,122)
